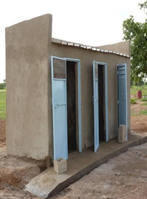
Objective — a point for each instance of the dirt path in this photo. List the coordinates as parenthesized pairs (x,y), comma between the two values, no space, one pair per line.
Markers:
(123,177)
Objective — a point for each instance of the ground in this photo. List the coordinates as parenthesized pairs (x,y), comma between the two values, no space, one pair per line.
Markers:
(15,173)
(139,116)
(123,177)
(2,132)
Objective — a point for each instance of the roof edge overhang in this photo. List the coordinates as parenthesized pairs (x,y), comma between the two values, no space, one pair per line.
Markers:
(87,47)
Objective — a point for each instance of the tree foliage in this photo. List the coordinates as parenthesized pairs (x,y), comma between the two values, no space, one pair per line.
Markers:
(143,5)
(136,33)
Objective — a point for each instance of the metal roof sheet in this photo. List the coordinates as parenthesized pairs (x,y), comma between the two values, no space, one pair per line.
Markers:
(93,48)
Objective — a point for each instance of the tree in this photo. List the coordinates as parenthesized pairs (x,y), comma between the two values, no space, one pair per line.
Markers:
(136,33)
(143,5)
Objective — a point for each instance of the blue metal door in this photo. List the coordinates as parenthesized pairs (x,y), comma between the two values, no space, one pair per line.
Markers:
(59,108)
(79,108)
(122,94)
(95,106)
(106,102)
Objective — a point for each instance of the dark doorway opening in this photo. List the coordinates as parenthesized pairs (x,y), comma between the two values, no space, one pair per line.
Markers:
(71,105)
(101,88)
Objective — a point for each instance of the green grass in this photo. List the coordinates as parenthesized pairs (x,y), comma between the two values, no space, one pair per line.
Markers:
(144,104)
(143,112)
(2,104)
(144,100)
(134,90)
(133,101)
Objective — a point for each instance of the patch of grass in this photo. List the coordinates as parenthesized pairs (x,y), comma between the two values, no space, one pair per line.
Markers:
(133,101)
(134,114)
(2,104)
(143,112)
(144,104)
(144,99)
(2,85)
(143,88)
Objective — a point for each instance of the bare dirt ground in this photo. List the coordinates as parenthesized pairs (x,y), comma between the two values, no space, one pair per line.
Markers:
(15,172)
(2,133)
(123,177)
(139,124)
(138,121)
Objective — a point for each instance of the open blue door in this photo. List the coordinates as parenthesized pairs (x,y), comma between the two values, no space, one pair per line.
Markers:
(106,102)
(59,107)
(95,106)
(122,94)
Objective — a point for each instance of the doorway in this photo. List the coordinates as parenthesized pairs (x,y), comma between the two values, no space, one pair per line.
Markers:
(100,103)
(71,105)
(122,98)
(66,106)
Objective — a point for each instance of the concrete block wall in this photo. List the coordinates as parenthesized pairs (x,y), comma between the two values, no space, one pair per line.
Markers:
(27,87)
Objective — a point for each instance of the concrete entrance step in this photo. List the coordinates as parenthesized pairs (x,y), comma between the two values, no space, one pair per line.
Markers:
(49,182)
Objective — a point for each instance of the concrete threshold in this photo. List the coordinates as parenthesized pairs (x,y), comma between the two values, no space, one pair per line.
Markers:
(49,183)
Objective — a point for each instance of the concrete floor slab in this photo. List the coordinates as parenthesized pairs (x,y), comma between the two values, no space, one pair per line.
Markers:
(49,182)
(122,177)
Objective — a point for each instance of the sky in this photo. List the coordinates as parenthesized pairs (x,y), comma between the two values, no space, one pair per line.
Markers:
(91,22)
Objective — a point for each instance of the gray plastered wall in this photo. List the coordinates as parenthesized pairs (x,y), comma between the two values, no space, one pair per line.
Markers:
(27,131)
(121,47)
(29,48)
(86,58)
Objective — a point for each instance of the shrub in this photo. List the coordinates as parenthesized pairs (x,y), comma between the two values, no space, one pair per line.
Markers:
(2,85)
(133,101)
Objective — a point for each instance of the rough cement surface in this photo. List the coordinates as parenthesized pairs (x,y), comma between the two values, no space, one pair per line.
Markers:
(43,184)
(123,177)
(27,133)
(86,58)
(122,134)
(49,182)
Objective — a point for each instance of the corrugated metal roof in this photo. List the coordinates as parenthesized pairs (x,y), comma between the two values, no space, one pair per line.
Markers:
(93,48)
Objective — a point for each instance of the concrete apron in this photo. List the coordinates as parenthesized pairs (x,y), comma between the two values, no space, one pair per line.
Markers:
(49,182)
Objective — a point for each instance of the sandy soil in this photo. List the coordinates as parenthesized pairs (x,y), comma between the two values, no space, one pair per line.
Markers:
(123,177)
(138,122)
(14,174)
(2,133)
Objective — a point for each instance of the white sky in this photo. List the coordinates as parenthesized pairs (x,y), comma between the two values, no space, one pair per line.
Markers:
(93,22)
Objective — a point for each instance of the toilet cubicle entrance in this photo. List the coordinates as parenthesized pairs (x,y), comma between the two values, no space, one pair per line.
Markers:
(66,106)
(122,97)
(100,103)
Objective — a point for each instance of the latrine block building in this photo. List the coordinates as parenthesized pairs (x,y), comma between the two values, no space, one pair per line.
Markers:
(62,96)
